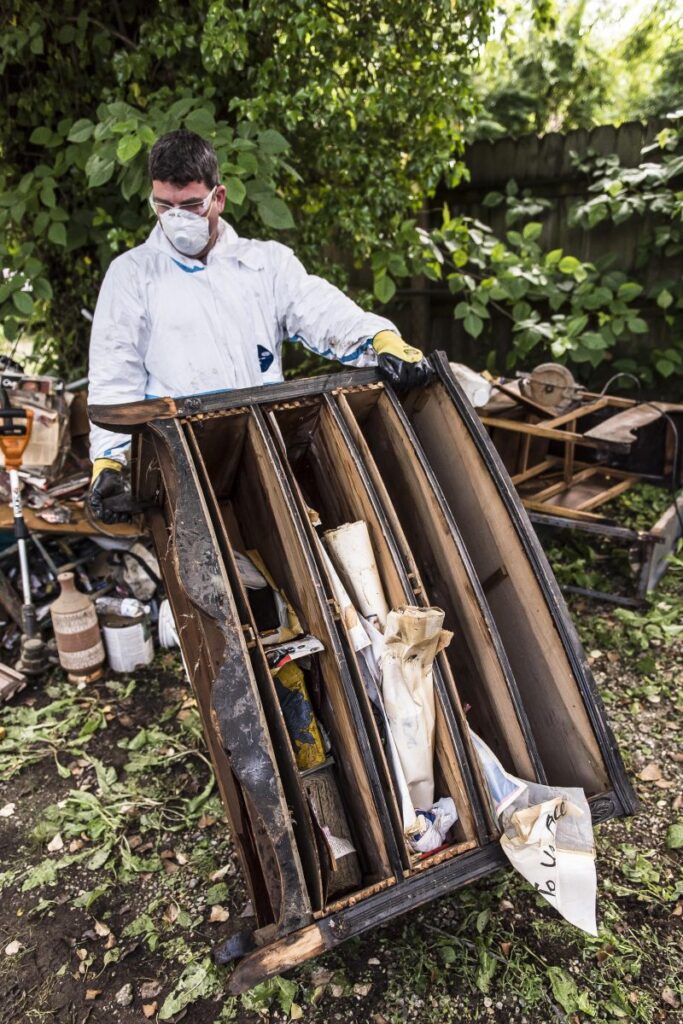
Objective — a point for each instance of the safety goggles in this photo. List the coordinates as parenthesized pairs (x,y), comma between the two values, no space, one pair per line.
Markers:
(200,207)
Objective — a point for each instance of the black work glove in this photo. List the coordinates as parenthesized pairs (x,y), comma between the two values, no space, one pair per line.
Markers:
(400,364)
(109,498)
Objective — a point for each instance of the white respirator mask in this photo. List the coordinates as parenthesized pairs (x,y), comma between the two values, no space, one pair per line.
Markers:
(187,232)
(186,227)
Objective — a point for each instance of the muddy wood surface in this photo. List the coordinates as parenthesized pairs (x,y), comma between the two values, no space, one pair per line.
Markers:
(118,876)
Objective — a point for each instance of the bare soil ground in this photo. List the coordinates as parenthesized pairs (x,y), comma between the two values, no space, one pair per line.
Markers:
(118,877)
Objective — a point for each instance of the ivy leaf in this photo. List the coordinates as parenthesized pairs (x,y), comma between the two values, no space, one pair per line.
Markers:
(483,919)
(81,130)
(576,324)
(532,231)
(40,136)
(47,195)
(593,340)
(275,213)
(473,324)
(666,368)
(628,291)
(492,199)
(569,264)
(23,302)
(99,169)
(384,287)
(128,147)
(235,191)
(201,121)
(664,299)
(485,971)
(272,142)
(261,997)
(57,233)
(99,857)
(564,989)
(42,289)
(216,893)
(636,325)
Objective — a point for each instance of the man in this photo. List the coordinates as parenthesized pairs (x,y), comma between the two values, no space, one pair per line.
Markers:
(196,309)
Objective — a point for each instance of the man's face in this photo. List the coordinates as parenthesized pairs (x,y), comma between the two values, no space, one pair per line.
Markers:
(191,197)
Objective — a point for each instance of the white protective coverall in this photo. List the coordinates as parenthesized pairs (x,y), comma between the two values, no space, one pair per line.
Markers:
(168,324)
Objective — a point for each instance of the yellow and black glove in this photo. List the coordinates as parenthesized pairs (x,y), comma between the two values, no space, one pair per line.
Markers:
(400,364)
(109,497)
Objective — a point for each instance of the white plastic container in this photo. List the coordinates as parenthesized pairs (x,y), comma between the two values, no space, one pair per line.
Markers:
(128,641)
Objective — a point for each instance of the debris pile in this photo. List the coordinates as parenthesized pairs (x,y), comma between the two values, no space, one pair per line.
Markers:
(45,534)
(570,451)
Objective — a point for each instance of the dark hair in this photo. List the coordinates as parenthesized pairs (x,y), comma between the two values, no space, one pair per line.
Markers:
(183,156)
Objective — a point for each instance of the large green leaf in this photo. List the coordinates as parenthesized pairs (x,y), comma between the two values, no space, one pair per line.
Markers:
(128,147)
(384,287)
(271,141)
(235,191)
(275,213)
(81,130)
(99,169)
(23,302)
(57,233)
(473,324)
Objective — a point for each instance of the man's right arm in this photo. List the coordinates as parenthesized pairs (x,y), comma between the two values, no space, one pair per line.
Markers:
(116,370)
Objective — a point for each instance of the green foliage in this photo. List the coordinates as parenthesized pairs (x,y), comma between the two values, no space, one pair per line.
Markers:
(329,120)
(652,54)
(276,991)
(542,73)
(63,727)
(199,980)
(584,314)
(578,63)
(634,194)
(566,992)
(555,302)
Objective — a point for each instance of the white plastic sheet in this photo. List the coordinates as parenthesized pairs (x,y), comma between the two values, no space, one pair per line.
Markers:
(547,837)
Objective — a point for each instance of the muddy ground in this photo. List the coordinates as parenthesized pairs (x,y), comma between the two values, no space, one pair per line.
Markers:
(117,875)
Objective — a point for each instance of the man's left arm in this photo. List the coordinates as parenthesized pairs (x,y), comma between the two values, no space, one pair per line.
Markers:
(329,323)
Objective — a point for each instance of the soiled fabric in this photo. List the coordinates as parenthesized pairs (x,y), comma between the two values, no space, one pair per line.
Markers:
(167,324)
(411,640)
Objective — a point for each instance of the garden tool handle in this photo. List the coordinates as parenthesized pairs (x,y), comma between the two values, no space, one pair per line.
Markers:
(16,425)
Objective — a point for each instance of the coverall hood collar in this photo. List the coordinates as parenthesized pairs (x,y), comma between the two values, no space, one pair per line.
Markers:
(228,245)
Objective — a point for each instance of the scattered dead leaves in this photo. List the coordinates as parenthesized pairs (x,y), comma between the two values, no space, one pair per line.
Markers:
(150,989)
(650,773)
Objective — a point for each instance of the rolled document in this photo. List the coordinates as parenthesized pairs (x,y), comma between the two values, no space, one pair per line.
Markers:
(351,551)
